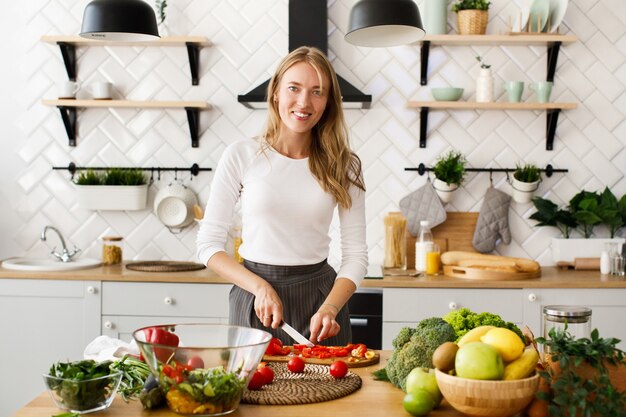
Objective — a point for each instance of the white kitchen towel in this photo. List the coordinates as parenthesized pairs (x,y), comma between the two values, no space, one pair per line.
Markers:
(107,348)
(422,204)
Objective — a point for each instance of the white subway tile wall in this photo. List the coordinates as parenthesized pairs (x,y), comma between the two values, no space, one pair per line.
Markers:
(249,37)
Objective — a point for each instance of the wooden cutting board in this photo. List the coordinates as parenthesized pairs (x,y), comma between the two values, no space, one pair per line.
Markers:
(485,274)
(361,362)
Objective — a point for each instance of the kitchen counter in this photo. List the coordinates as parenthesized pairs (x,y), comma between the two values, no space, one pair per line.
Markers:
(374,398)
(552,277)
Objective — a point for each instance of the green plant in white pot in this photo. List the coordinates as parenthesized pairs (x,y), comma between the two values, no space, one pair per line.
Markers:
(526,179)
(449,173)
(116,189)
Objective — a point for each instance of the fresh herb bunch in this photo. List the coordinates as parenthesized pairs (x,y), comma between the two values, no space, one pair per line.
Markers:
(89,177)
(161,5)
(527,173)
(113,176)
(471,5)
(450,168)
(572,394)
(134,374)
(483,64)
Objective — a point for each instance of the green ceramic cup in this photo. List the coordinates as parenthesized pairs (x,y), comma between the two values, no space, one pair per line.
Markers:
(542,89)
(514,90)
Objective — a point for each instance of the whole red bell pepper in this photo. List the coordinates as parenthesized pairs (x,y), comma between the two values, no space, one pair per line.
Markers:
(161,336)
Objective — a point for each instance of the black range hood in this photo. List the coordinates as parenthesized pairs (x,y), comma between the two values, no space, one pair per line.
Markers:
(308,26)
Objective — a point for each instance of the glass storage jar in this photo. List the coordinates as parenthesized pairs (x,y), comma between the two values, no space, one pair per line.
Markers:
(111,250)
(577,319)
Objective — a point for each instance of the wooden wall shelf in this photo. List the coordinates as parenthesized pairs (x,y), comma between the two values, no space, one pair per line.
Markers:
(67,108)
(68,45)
(552,113)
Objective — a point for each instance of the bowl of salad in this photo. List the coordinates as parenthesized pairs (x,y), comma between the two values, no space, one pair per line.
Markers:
(202,368)
(82,386)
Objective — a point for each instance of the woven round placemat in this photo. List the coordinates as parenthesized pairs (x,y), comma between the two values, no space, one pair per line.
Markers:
(164,266)
(314,385)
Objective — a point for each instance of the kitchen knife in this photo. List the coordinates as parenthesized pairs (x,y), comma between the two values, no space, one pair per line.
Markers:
(295,335)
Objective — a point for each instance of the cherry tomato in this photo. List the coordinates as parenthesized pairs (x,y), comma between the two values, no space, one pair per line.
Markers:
(268,374)
(195,362)
(338,369)
(296,364)
(256,382)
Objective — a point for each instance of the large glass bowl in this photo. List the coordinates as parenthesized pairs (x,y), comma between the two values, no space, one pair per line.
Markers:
(208,370)
(84,396)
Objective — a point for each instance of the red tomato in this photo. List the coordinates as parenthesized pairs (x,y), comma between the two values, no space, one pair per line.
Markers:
(195,362)
(256,382)
(338,369)
(296,364)
(268,374)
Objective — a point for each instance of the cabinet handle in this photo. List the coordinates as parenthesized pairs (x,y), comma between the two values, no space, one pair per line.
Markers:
(452,305)
(168,300)
(358,322)
(108,325)
(91,289)
(532,297)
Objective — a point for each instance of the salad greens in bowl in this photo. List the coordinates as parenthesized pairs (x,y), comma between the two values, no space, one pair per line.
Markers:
(202,368)
(82,386)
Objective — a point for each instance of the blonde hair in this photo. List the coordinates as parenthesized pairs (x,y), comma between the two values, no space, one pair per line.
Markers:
(331,160)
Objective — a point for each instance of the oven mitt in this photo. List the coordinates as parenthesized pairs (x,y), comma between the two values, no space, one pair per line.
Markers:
(493,221)
(422,204)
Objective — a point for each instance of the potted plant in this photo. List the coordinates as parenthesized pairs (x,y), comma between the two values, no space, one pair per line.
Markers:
(585,211)
(526,179)
(585,376)
(449,172)
(472,16)
(115,189)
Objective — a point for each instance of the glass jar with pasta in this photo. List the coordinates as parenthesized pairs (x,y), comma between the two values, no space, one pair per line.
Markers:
(111,250)
(395,240)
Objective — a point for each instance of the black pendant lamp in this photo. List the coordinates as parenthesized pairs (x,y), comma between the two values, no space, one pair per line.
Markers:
(381,23)
(119,20)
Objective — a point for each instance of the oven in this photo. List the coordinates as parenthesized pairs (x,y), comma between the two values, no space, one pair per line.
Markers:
(366,317)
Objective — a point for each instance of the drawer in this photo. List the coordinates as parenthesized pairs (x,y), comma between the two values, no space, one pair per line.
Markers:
(412,305)
(165,299)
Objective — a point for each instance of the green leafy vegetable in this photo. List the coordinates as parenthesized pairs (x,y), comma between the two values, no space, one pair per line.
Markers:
(463,320)
(134,374)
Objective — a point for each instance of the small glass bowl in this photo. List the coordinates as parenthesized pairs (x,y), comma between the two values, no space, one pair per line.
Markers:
(84,396)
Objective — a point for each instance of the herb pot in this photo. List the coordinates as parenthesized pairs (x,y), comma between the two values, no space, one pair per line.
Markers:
(444,190)
(523,191)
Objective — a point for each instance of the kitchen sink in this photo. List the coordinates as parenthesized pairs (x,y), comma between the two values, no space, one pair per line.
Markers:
(43,264)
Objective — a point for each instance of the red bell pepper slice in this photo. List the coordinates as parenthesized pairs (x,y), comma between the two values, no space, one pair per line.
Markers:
(160,336)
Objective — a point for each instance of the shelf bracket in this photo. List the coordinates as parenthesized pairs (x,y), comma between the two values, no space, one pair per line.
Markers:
(423,125)
(193,50)
(192,118)
(552,117)
(68,52)
(425,50)
(553,55)
(68,114)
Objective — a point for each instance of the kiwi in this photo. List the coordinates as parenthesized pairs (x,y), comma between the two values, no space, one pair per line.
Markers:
(443,356)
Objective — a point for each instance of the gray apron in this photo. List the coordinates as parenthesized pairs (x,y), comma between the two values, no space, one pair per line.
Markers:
(302,289)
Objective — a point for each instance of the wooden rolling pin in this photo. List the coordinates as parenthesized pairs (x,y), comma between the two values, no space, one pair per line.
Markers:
(581,264)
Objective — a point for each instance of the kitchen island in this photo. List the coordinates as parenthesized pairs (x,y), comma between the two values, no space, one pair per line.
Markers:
(374,398)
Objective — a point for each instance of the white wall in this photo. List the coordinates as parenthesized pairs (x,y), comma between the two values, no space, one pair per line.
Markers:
(590,141)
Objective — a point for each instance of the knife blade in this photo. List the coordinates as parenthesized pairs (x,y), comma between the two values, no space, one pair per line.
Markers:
(295,335)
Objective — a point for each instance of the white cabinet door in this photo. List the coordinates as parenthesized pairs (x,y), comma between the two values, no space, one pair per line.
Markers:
(42,322)
(608,309)
(407,306)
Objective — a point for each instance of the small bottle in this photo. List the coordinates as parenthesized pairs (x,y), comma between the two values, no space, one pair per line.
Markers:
(423,245)
(111,250)
(605,263)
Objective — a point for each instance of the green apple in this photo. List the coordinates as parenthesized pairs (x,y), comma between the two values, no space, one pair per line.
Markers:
(418,403)
(424,378)
(478,360)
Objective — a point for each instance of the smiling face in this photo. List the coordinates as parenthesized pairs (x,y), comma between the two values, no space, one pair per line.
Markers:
(301,97)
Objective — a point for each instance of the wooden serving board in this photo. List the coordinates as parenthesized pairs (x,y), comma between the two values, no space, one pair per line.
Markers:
(485,274)
(362,361)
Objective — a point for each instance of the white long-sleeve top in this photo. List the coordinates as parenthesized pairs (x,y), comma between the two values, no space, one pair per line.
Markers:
(285,213)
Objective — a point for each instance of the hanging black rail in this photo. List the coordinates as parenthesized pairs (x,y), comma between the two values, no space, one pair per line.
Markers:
(549,169)
(194,169)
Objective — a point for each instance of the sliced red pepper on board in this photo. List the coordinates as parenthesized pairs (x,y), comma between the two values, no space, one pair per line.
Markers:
(275,347)
(359,350)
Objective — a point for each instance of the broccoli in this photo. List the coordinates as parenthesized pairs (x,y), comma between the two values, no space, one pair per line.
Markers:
(414,348)
(463,320)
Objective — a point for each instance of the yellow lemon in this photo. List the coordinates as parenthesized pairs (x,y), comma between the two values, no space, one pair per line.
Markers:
(505,341)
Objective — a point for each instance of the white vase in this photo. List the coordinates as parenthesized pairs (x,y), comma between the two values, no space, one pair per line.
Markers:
(523,191)
(484,86)
(444,190)
(112,197)
(567,250)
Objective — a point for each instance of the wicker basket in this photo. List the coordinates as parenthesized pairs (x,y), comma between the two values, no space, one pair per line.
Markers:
(472,22)
(487,398)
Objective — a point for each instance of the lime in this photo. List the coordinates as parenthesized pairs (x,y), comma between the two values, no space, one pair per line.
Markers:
(419,402)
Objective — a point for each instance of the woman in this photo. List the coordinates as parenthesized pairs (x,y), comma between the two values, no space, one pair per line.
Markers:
(289,182)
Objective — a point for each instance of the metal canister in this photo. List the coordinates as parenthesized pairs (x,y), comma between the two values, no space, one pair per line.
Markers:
(577,319)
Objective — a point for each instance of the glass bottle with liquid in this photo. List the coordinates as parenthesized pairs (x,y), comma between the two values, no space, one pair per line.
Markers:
(423,245)
(237,241)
